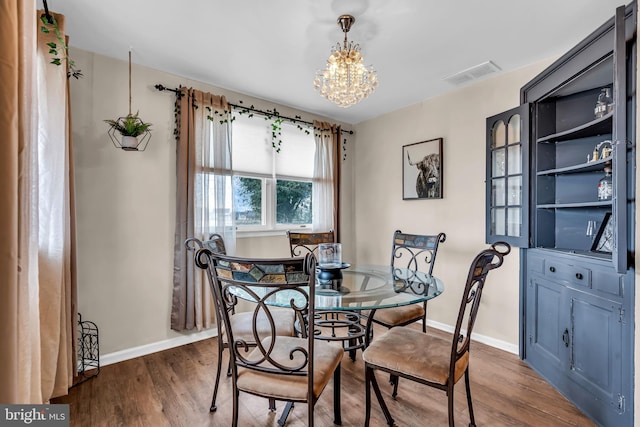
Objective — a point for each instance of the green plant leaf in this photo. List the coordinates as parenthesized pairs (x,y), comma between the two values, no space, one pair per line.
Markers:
(131,125)
(52,45)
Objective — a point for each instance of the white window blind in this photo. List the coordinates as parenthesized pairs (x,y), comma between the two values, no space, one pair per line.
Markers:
(254,154)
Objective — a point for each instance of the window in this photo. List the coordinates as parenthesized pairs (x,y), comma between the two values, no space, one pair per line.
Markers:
(272,190)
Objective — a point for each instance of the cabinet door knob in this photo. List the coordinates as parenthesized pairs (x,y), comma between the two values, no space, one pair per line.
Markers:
(552,269)
(579,276)
(565,337)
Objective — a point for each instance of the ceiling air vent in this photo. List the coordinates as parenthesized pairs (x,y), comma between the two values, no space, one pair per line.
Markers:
(472,73)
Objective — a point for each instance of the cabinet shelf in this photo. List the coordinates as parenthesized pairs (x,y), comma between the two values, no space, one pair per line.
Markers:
(575,205)
(598,165)
(595,127)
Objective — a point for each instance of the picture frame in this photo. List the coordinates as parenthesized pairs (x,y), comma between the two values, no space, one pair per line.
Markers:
(422,170)
(603,241)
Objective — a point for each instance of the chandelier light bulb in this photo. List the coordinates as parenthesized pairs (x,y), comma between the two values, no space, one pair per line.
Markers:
(345,80)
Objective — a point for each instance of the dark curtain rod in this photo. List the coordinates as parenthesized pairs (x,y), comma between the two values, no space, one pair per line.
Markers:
(46,12)
(162,88)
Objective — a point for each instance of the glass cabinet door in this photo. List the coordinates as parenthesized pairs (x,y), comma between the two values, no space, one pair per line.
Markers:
(507,217)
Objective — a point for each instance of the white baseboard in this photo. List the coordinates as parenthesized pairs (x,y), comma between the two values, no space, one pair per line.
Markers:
(499,344)
(131,353)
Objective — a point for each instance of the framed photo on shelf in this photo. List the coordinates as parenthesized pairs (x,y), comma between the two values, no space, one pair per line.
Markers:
(604,238)
(422,170)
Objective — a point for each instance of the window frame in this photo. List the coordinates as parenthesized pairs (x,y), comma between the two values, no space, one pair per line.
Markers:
(269,222)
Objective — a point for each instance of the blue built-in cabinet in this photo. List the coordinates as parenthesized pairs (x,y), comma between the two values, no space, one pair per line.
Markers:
(560,185)
(578,329)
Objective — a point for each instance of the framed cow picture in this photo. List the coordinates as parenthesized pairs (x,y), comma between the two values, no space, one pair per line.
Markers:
(422,170)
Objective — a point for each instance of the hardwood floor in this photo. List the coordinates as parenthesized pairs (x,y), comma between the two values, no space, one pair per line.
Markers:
(173,388)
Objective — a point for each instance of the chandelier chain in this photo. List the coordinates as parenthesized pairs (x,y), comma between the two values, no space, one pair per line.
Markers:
(129,81)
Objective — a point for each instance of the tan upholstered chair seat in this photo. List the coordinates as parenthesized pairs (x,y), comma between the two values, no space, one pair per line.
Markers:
(399,315)
(327,357)
(423,356)
(242,328)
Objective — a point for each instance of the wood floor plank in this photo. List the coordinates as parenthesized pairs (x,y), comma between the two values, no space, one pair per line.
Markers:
(174,387)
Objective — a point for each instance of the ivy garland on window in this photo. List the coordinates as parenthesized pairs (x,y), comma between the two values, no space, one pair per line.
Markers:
(276,126)
(58,50)
(273,115)
(269,115)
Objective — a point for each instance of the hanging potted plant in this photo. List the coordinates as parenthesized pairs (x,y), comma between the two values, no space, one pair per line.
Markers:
(134,132)
(130,128)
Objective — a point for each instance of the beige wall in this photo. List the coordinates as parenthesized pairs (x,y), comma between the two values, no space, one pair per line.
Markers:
(126,202)
(460,118)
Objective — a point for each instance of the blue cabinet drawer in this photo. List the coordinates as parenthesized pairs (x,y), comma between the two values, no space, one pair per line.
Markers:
(574,274)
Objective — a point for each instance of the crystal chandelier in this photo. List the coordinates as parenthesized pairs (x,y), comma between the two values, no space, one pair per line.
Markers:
(345,80)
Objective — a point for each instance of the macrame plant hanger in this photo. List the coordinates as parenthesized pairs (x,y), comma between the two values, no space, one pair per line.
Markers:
(129,133)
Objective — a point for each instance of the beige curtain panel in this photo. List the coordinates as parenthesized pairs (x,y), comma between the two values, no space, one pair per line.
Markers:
(37,268)
(323,203)
(326,178)
(195,199)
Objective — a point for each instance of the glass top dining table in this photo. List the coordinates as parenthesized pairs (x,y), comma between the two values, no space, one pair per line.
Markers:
(339,303)
(365,287)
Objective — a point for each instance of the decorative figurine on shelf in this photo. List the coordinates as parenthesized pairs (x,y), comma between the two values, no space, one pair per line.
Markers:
(604,105)
(604,153)
(605,186)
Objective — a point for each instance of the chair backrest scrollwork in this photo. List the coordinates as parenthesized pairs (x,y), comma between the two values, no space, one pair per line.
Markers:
(215,243)
(412,259)
(283,282)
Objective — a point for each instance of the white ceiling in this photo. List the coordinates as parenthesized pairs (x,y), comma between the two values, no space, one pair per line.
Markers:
(271,49)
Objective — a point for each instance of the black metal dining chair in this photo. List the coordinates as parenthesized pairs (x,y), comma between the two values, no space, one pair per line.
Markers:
(414,253)
(215,243)
(291,369)
(345,327)
(429,360)
(303,242)
(283,319)
(412,257)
